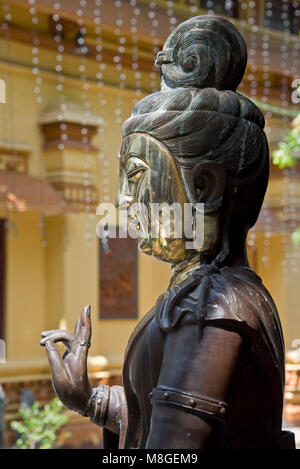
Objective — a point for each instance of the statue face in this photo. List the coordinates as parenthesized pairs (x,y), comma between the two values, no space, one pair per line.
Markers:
(149,175)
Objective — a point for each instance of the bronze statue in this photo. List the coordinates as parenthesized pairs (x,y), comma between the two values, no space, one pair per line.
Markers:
(205,367)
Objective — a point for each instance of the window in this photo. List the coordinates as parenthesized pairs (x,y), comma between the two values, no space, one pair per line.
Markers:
(118,278)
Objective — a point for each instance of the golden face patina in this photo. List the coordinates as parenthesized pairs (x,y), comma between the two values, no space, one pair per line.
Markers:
(149,174)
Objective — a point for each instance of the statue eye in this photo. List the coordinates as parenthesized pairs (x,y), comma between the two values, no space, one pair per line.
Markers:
(135,174)
(134,168)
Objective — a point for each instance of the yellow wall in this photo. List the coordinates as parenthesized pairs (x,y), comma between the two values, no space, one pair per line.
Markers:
(48,284)
(283,284)
(25,289)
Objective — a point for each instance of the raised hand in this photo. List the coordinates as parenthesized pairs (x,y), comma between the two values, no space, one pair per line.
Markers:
(69,373)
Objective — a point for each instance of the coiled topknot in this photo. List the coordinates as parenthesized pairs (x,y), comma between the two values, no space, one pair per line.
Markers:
(204,51)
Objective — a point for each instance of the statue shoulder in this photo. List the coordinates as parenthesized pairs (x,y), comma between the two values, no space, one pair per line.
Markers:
(234,297)
(239,294)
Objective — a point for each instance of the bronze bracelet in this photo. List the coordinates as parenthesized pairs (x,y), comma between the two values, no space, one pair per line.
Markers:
(89,405)
(98,405)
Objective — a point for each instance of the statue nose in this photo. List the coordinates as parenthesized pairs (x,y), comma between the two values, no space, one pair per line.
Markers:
(123,196)
(123,201)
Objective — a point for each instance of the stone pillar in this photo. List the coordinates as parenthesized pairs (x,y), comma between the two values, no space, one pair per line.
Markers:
(70,155)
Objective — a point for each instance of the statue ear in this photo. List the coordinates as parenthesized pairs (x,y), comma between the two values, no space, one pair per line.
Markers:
(209,181)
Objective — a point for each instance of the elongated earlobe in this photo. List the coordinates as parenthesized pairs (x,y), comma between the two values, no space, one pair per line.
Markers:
(209,181)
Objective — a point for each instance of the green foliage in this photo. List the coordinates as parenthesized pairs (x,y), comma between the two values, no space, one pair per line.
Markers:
(288,154)
(296,236)
(37,427)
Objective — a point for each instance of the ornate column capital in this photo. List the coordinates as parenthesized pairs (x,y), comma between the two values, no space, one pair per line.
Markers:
(68,130)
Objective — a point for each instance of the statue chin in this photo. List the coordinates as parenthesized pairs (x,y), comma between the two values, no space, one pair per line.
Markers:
(144,246)
(165,249)
(174,250)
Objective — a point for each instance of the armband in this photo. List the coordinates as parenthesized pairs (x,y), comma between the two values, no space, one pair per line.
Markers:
(193,403)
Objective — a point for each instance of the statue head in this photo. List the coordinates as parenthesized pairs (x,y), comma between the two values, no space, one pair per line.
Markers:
(198,141)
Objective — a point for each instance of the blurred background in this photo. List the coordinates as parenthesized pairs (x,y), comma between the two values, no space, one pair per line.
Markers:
(73,71)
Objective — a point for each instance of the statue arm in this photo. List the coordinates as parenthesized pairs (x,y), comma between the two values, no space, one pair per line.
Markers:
(190,397)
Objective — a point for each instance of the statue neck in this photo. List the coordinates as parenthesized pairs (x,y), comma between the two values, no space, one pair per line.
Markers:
(184,269)
(237,257)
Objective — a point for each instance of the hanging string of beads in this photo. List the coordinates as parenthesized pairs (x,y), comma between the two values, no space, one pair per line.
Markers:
(10,223)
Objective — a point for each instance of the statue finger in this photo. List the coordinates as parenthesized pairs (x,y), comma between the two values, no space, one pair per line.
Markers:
(81,353)
(52,331)
(77,326)
(83,328)
(86,325)
(59,336)
(83,337)
(55,361)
